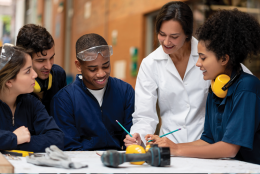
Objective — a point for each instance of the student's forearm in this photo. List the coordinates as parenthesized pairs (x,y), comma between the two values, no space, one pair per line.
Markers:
(217,150)
(8,140)
(194,143)
(38,143)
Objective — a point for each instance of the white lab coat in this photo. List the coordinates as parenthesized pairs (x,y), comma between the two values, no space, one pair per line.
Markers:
(182,102)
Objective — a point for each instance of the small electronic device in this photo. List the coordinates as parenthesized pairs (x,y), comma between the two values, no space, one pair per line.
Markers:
(156,156)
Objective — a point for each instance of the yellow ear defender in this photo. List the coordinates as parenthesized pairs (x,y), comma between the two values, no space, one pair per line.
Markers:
(38,87)
(134,148)
(222,83)
(217,85)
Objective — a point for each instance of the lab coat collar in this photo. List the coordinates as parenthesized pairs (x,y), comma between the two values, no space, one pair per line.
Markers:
(194,48)
(193,55)
(161,55)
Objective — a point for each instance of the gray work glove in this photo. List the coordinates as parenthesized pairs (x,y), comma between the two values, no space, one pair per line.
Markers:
(54,158)
(53,152)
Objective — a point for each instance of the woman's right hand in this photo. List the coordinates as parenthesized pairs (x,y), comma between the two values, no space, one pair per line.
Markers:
(23,135)
(151,137)
(136,139)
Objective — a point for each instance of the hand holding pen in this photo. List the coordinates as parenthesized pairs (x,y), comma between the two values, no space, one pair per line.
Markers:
(130,139)
(156,137)
(135,139)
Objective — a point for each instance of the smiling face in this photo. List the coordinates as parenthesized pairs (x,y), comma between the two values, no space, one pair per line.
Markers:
(25,79)
(95,73)
(171,36)
(208,63)
(43,64)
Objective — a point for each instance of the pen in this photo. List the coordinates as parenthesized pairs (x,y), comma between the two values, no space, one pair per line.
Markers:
(166,134)
(125,130)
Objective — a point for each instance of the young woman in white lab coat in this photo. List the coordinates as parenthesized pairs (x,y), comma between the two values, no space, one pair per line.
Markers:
(170,76)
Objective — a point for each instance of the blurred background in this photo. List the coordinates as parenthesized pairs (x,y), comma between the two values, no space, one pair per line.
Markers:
(127,25)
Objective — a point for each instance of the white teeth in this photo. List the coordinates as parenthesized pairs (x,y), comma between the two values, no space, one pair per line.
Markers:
(168,47)
(100,80)
(203,70)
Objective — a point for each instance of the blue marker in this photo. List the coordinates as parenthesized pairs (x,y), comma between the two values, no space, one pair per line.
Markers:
(125,129)
(167,134)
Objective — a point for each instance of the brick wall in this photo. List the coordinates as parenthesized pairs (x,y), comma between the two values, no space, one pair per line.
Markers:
(58,30)
(125,16)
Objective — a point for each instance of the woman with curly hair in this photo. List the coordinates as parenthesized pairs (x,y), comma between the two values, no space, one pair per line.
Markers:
(232,122)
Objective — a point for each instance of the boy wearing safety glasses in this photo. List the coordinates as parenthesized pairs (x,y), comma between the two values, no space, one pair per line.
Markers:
(87,109)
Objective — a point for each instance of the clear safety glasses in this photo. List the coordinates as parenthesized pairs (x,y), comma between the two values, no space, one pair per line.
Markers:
(92,53)
(6,54)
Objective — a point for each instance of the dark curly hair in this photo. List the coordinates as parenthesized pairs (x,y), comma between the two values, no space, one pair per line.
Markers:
(177,11)
(35,37)
(233,33)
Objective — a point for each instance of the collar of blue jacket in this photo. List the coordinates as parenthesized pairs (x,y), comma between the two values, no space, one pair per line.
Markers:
(86,125)
(31,113)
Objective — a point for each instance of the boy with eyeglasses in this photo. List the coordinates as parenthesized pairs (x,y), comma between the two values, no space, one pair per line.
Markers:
(87,109)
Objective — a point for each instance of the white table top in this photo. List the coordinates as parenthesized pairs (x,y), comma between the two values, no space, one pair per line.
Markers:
(178,164)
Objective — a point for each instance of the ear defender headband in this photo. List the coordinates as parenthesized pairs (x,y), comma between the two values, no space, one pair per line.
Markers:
(38,87)
(222,83)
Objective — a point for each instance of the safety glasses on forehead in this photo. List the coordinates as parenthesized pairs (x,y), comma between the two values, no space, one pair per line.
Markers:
(6,54)
(92,53)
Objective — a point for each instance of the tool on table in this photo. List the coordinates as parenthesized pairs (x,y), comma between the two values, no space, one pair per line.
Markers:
(55,158)
(165,134)
(125,130)
(156,156)
(16,152)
